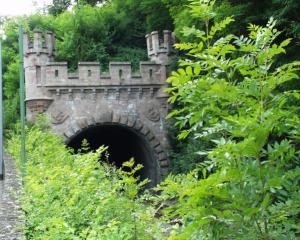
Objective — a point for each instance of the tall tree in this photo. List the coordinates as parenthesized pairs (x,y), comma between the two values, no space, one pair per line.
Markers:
(58,6)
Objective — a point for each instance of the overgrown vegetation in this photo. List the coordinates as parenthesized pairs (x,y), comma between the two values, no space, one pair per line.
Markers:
(239,167)
(73,196)
(228,89)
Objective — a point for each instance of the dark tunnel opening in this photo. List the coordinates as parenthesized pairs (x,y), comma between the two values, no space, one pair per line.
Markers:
(123,144)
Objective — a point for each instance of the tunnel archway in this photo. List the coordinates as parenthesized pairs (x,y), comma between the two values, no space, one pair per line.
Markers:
(123,143)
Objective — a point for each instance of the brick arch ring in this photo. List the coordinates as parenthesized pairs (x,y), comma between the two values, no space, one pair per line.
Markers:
(127,121)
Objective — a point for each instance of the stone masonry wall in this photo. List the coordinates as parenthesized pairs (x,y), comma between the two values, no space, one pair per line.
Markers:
(74,102)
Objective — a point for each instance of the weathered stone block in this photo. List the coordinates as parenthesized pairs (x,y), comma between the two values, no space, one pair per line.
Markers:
(89,72)
(120,73)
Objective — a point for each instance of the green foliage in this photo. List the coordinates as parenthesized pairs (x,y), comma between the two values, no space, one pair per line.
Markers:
(130,54)
(58,6)
(245,12)
(89,2)
(239,128)
(74,196)
(186,154)
(42,122)
(181,16)
(85,34)
(228,90)
(10,74)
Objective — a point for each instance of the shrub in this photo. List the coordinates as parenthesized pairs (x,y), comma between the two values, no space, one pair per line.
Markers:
(74,196)
(228,88)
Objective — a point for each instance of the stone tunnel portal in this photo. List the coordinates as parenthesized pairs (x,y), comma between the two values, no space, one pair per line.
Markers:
(123,143)
(122,109)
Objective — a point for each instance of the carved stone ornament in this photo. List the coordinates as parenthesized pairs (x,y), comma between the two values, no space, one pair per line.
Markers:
(38,105)
(152,113)
(59,117)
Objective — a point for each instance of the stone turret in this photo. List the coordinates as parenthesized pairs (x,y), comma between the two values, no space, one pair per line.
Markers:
(159,48)
(38,52)
(40,45)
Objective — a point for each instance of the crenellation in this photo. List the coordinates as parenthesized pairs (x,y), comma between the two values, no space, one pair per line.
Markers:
(168,40)
(120,73)
(89,71)
(42,43)
(38,41)
(150,72)
(57,73)
(73,76)
(159,48)
(105,80)
(155,42)
(50,43)
(26,42)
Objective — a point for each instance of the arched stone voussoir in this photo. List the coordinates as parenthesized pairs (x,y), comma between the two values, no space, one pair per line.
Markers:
(116,118)
(82,122)
(91,121)
(162,156)
(130,122)
(155,143)
(68,135)
(71,131)
(138,125)
(124,120)
(77,126)
(145,130)
(150,136)
(106,117)
(164,171)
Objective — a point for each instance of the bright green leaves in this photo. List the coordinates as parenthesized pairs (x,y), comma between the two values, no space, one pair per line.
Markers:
(230,70)
(202,9)
(228,93)
(219,26)
(74,196)
(192,31)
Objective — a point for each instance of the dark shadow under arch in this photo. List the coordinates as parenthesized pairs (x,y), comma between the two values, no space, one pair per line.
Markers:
(123,143)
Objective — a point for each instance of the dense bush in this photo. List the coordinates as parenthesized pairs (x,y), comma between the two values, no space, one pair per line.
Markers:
(74,196)
(228,90)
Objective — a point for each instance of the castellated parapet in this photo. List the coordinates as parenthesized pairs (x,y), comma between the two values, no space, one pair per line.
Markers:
(89,97)
(40,66)
(89,74)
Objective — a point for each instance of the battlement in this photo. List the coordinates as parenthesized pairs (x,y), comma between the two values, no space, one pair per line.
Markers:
(41,43)
(89,74)
(158,47)
(42,72)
